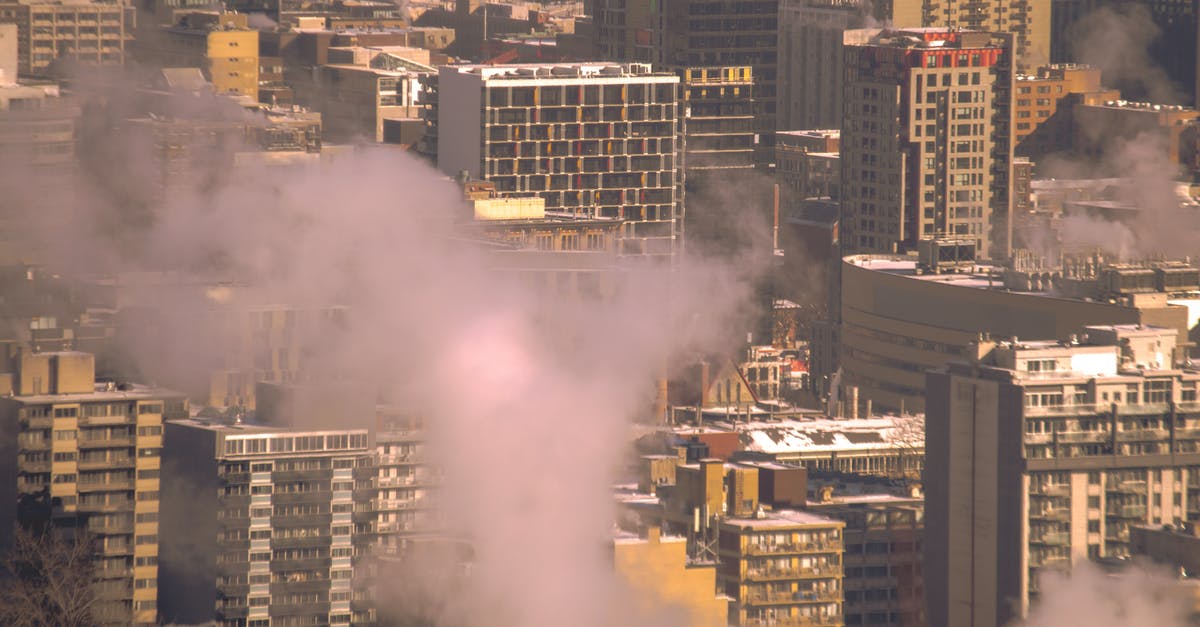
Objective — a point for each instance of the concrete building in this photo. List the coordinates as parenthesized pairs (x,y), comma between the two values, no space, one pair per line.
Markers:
(657,570)
(1044,106)
(408,482)
(925,141)
(1049,454)
(80,31)
(885,525)
(221,44)
(39,141)
(276,519)
(807,165)
(1099,124)
(594,140)
(360,89)
(900,316)
(810,57)
(86,454)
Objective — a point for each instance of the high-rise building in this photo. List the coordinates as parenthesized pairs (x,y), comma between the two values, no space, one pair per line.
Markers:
(810,59)
(682,34)
(86,455)
(78,30)
(926,148)
(1047,454)
(408,482)
(267,524)
(810,43)
(597,140)
(718,120)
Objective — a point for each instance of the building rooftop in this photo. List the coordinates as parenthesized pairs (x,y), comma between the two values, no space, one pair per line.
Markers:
(830,434)
(559,71)
(783,518)
(814,133)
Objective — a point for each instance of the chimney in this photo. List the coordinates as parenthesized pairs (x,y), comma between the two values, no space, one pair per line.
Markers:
(852,401)
(704,375)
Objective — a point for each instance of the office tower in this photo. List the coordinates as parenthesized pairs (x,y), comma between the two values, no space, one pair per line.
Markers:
(1048,453)
(80,30)
(597,140)
(926,150)
(681,34)
(86,455)
(265,524)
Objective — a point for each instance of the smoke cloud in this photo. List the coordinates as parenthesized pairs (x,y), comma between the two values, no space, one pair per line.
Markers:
(1116,39)
(1138,594)
(528,392)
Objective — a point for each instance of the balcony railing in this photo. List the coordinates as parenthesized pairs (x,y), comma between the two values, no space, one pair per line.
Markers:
(792,547)
(827,620)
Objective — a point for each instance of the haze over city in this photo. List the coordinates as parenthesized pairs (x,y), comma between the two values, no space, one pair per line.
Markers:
(653,313)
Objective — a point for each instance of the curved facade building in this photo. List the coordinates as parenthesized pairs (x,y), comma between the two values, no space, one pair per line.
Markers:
(898,322)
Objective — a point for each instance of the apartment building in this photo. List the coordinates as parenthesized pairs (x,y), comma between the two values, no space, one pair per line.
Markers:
(276,522)
(926,150)
(597,140)
(1050,454)
(80,31)
(86,454)
(782,568)
(407,481)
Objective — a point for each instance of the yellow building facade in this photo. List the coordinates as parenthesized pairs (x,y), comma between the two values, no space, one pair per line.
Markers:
(656,569)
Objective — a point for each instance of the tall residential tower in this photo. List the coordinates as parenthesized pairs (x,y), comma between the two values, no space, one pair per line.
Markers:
(926,148)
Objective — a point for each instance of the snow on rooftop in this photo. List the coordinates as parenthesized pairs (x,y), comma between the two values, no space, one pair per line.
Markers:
(829,434)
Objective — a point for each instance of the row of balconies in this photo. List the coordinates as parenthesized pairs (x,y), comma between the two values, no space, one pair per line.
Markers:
(825,620)
(790,598)
(776,574)
(796,547)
